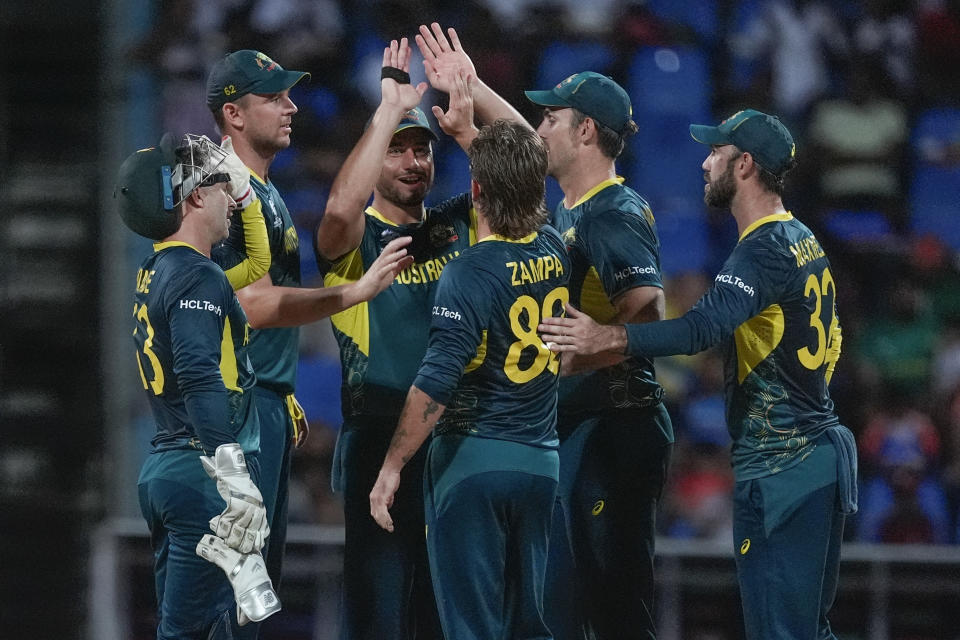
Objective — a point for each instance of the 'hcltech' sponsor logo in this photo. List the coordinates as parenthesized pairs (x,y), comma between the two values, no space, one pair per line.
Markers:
(734,280)
(635,271)
(202,305)
(446,313)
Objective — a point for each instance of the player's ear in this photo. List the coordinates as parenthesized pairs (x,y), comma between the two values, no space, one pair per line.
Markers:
(196,198)
(231,115)
(588,129)
(474,190)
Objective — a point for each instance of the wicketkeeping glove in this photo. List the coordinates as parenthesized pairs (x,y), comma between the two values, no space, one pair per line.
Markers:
(240,189)
(247,573)
(243,524)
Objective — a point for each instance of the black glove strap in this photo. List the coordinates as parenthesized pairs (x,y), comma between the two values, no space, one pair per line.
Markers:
(393,73)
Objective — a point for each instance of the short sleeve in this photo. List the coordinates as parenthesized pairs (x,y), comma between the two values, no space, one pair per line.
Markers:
(460,314)
(623,248)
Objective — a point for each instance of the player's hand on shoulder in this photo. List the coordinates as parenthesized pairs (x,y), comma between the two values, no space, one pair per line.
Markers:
(388,265)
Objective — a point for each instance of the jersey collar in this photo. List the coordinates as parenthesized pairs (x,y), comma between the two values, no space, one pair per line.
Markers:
(524,240)
(370,211)
(774,217)
(597,189)
(160,246)
(258,178)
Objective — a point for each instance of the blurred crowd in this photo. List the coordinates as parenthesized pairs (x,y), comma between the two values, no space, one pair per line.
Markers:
(868,87)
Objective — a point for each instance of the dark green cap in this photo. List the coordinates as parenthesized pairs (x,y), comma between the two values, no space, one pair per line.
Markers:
(247,71)
(593,94)
(144,191)
(414,118)
(762,136)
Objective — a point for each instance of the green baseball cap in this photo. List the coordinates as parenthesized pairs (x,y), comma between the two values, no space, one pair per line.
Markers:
(247,71)
(593,94)
(761,135)
(413,119)
(146,188)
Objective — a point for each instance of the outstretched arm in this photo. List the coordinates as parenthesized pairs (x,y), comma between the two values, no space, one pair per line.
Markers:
(341,227)
(269,306)
(443,58)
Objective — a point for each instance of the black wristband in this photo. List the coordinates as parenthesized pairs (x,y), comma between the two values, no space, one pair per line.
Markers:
(393,73)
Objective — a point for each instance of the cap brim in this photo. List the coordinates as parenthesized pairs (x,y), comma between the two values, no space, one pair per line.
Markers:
(280,81)
(705,134)
(545,99)
(412,125)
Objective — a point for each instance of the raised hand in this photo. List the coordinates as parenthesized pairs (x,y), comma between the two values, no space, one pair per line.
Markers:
(403,95)
(442,58)
(457,122)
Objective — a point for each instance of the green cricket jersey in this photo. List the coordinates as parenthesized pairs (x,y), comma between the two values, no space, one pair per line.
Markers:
(774,305)
(382,341)
(192,336)
(274,352)
(485,360)
(612,240)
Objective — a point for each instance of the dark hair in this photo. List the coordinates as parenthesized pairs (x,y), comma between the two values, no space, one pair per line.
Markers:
(773,182)
(200,157)
(509,162)
(610,142)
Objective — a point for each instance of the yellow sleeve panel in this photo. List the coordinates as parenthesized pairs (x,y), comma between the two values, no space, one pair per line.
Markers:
(256,247)
(833,348)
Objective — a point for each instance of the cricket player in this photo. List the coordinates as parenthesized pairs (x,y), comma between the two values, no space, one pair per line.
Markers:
(191,338)
(492,467)
(249,96)
(773,306)
(383,342)
(615,433)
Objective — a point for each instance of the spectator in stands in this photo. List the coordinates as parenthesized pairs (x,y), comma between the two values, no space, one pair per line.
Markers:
(801,39)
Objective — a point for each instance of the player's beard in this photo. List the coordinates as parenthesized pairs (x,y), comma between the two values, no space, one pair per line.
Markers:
(720,192)
(405,198)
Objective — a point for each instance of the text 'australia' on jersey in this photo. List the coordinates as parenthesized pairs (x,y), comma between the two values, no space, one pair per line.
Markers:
(485,360)
(613,245)
(191,338)
(274,352)
(382,341)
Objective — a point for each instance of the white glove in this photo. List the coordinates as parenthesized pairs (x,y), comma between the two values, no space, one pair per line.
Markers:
(247,573)
(240,189)
(243,524)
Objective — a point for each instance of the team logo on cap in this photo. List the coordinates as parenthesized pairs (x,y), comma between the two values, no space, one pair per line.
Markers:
(567,80)
(265,63)
(410,116)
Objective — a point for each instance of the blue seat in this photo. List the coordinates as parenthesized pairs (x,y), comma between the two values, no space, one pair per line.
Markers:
(665,160)
(857,226)
(701,16)
(684,238)
(935,203)
(562,59)
(934,195)
(670,80)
